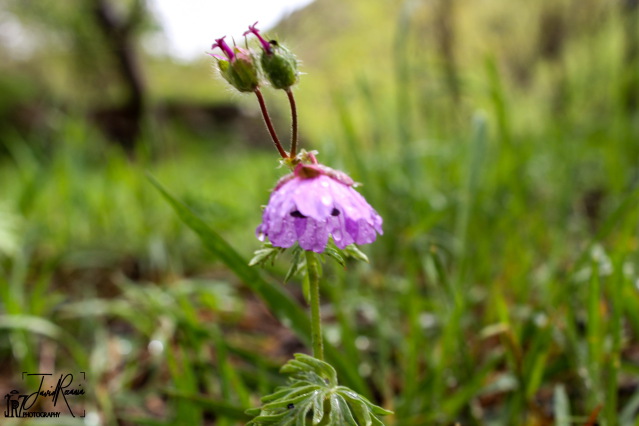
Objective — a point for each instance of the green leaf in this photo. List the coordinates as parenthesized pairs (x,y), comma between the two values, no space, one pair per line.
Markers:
(313,390)
(321,368)
(349,394)
(318,408)
(340,413)
(359,408)
(252,412)
(304,411)
(291,399)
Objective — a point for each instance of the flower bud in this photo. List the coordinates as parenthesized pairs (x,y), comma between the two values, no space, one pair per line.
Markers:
(278,63)
(280,66)
(238,67)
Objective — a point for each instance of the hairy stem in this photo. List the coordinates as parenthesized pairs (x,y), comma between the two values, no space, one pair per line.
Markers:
(316,321)
(269,124)
(294,131)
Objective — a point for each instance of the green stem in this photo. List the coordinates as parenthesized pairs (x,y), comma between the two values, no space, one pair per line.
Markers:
(316,321)
(294,130)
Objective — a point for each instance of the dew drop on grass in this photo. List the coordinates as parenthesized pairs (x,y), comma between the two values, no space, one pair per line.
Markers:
(92,419)
(124,346)
(156,347)
(362,343)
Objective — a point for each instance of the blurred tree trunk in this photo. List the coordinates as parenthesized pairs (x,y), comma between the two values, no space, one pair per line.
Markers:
(630,88)
(445,34)
(123,123)
(551,43)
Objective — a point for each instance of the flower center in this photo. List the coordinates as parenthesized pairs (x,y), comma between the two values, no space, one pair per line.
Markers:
(298,214)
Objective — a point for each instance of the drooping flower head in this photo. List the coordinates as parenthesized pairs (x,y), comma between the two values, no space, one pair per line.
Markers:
(236,66)
(278,63)
(313,203)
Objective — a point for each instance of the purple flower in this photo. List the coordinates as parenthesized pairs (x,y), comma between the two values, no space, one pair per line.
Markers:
(316,202)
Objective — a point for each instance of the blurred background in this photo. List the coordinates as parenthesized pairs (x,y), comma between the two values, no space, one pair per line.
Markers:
(498,139)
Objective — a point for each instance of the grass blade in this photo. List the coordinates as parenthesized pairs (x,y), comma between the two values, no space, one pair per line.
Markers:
(562,407)
(46,328)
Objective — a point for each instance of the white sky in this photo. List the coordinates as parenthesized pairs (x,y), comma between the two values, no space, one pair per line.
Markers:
(191,26)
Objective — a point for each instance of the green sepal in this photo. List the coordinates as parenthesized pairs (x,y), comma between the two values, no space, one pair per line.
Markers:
(298,263)
(241,73)
(348,252)
(268,253)
(265,254)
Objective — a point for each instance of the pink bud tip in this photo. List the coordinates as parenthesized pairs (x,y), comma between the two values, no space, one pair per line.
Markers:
(219,42)
(265,44)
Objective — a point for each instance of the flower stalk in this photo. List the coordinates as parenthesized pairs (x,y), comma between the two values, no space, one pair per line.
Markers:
(317,342)
(294,131)
(314,209)
(269,124)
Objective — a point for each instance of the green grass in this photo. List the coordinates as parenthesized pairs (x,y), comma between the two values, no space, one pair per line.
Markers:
(503,290)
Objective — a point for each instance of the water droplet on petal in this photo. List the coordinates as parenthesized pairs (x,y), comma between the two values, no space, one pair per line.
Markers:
(324,184)
(326,200)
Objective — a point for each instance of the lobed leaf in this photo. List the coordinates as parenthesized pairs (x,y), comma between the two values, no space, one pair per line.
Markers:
(313,391)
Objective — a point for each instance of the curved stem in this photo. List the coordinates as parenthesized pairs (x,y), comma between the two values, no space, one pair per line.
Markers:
(269,124)
(294,131)
(312,266)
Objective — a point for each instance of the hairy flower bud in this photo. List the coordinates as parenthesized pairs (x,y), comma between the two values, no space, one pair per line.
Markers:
(280,66)
(278,63)
(238,67)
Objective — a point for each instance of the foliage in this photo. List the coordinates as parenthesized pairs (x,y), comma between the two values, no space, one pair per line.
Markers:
(502,292)
(268,253)
(313,394)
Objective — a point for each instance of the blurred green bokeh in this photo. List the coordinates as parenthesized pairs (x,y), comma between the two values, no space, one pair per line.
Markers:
(499,140)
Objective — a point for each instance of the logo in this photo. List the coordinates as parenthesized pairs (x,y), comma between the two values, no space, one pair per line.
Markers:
(55,395)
